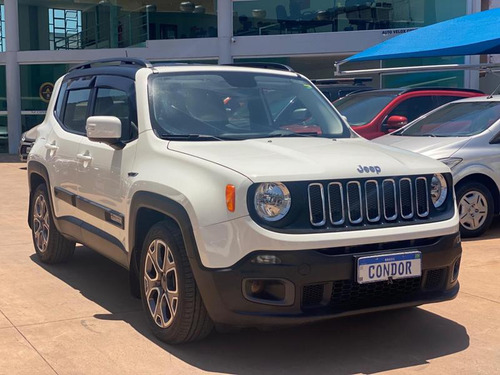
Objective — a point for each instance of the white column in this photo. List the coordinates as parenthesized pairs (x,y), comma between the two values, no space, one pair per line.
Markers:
(225,30)
(471,77)
(12,78)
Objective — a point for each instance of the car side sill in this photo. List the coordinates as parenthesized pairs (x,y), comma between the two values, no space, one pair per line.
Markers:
(94,238)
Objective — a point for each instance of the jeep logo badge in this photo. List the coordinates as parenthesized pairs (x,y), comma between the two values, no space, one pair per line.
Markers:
(369,169)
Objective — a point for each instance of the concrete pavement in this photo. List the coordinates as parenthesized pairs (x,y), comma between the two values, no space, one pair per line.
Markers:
(79,318)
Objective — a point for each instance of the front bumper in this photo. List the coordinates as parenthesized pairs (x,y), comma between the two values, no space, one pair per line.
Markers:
(324,285)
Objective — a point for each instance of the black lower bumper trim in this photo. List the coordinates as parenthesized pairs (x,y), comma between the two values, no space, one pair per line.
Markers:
(324,286)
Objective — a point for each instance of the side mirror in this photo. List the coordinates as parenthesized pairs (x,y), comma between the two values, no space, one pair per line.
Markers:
(396,122)
(105,129)
(495,140)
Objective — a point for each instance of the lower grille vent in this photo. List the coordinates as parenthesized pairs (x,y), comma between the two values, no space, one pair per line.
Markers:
(435,279)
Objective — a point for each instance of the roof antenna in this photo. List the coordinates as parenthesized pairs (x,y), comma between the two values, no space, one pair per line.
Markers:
(498,87)
(126,53)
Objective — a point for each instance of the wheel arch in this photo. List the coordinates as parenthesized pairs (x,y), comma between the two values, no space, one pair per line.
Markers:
(37,175)
(147,209)
(486,181)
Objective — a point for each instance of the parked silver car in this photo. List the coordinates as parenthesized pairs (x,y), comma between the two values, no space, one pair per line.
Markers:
(465,135)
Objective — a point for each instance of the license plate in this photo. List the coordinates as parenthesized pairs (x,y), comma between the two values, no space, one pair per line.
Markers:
(395,266)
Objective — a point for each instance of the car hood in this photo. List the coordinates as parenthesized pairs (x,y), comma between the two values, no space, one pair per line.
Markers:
(435,147)
(292,159)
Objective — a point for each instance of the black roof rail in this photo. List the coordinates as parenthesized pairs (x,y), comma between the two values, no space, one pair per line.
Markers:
(264,65)
(159,64)
(127,61)
(405,90)
(333,81)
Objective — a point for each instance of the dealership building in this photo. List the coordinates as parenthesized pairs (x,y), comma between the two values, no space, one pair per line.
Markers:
(41,39)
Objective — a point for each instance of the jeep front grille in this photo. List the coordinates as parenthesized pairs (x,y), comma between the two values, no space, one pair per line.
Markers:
(358,202)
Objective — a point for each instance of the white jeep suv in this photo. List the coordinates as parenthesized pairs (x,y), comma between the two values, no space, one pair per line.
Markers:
(238,196)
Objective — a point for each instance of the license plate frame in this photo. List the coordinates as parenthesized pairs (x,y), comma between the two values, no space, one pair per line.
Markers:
(411,262)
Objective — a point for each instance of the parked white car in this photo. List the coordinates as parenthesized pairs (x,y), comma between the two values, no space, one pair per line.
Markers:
(236,196)
(465,135)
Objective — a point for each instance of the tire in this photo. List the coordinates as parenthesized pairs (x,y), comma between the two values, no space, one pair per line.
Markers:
(171,300)
(475,207)
(50,245)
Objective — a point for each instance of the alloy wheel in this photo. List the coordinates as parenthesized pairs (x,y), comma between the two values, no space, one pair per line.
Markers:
(160,283)
(41,223)
(473,210)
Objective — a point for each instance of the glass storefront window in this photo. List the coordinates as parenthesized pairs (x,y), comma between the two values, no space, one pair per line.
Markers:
(88,24)
(453,78)
(2,28)
(265,17)
(36,89)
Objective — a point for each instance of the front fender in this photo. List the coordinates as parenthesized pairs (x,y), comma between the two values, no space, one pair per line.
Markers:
(476,168)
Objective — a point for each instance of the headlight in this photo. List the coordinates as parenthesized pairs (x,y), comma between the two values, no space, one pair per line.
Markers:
(451,162)
(439,190)
(272,201)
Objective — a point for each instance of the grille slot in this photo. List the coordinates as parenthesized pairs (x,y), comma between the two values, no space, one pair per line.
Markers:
(316,197)
(390,200)
(406,198)
(422,195)
(336,203)
(354,202)
(372,197)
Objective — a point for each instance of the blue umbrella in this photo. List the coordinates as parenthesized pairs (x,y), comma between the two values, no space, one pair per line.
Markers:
(474,34)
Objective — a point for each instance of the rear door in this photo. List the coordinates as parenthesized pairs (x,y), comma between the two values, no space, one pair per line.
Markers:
(68,131)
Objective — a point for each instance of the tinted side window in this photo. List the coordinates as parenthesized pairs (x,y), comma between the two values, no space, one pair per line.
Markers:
(446,99)
(75,112)
(113,102)
(413,108)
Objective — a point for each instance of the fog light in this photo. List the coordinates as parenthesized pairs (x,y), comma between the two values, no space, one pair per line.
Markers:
(266,259)
(269,291)
(256,287)
(456,269)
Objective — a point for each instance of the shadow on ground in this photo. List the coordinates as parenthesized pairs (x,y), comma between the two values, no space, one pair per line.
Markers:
(363,344)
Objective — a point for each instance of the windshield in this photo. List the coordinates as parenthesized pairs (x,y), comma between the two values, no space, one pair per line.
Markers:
(360,109)
(455,120)
(236,105)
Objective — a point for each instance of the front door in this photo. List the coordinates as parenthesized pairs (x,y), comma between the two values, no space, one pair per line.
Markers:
(103,171)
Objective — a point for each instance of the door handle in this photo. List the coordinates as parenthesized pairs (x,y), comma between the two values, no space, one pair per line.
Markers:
(84,157)
(51,146)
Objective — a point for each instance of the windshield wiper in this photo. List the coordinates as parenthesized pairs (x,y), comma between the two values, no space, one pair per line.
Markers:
(284,135)
(190,137)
